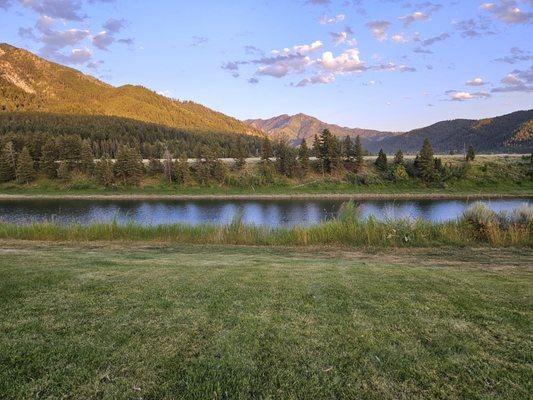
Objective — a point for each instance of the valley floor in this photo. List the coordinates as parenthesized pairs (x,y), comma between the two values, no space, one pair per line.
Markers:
(109,320)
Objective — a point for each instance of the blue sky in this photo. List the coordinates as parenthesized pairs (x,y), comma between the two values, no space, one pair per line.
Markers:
(382,64)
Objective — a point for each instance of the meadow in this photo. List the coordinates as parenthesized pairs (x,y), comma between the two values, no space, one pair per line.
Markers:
(109,321)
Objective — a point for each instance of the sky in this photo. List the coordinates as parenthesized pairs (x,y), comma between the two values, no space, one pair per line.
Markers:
(378,64)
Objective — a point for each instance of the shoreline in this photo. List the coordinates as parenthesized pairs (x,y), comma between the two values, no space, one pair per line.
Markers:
(265,197)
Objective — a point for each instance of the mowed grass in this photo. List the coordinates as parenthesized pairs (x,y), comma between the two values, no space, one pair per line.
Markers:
(199,322)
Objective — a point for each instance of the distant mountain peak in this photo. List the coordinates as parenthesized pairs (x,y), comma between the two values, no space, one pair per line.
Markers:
(301,126)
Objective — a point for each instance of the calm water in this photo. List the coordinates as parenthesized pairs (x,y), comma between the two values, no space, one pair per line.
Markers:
(269,213)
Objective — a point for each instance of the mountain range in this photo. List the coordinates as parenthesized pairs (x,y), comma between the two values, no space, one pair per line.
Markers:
(508,133)
(32,88)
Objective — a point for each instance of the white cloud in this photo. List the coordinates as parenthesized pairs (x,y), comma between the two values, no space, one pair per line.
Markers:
(325,20)
(475,82)
(416,16)
(316,79)
(464,96)
(348,61)
(103,40)
(398,38)
(343,38)
(379,29)
(509,12)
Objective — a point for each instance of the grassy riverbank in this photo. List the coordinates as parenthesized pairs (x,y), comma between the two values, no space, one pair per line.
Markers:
(478,226)
(488,175)
(45,188)
(107,321)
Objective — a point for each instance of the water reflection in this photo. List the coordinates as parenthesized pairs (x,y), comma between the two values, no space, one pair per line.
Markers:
(268,213)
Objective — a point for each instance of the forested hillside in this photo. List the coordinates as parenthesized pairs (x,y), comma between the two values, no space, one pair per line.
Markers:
(106,134)
(31,84)
(511,133)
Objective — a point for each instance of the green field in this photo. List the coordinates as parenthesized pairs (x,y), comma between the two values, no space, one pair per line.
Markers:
(110,321)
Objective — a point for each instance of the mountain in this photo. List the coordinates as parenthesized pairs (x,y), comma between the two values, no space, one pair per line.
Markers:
(29,83)
(297,127)
(511,133)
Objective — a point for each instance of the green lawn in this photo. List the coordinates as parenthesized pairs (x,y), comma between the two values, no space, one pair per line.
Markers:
(120,322)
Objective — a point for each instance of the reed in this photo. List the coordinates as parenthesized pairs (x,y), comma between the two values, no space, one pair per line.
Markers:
(478,226)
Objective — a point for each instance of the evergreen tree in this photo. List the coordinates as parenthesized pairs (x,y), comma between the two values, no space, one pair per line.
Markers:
(104,171)
(470,154)
(286,160)
(398,157)
(8,163)
(25,171)
(348,149)
(328,151)
(86,158)
(381,162)
(316,146)
(266,150)
(426,162)
(240,154)
(155,167)
(63,172)
(204,163)
(168,166)
(359,157)
(128,166)
(48,163)
(183,170)
(303,157)
(531,166)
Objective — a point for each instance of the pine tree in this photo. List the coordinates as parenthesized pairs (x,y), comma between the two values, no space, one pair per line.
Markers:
(49,155)
(470,154)
(359,158)
(128,166)
(25,171)
(316,146)
(240,154)
(8,163)
(303,157)
(168,166)
(381,162)
(426,162)
(348,149)
(183,170)
(398,157)
(86,163)
(266,150)
(155,167)
(63,172)
(328,151)
(286,160)
(104,171)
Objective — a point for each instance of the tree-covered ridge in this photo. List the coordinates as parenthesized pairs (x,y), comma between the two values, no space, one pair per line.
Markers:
(106,134)
(504,134)
(30,83)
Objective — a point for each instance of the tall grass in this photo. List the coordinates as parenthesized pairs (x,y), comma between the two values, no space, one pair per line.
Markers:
(478,226)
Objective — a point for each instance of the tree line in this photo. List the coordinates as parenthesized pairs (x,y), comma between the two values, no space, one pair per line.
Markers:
(64,156)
